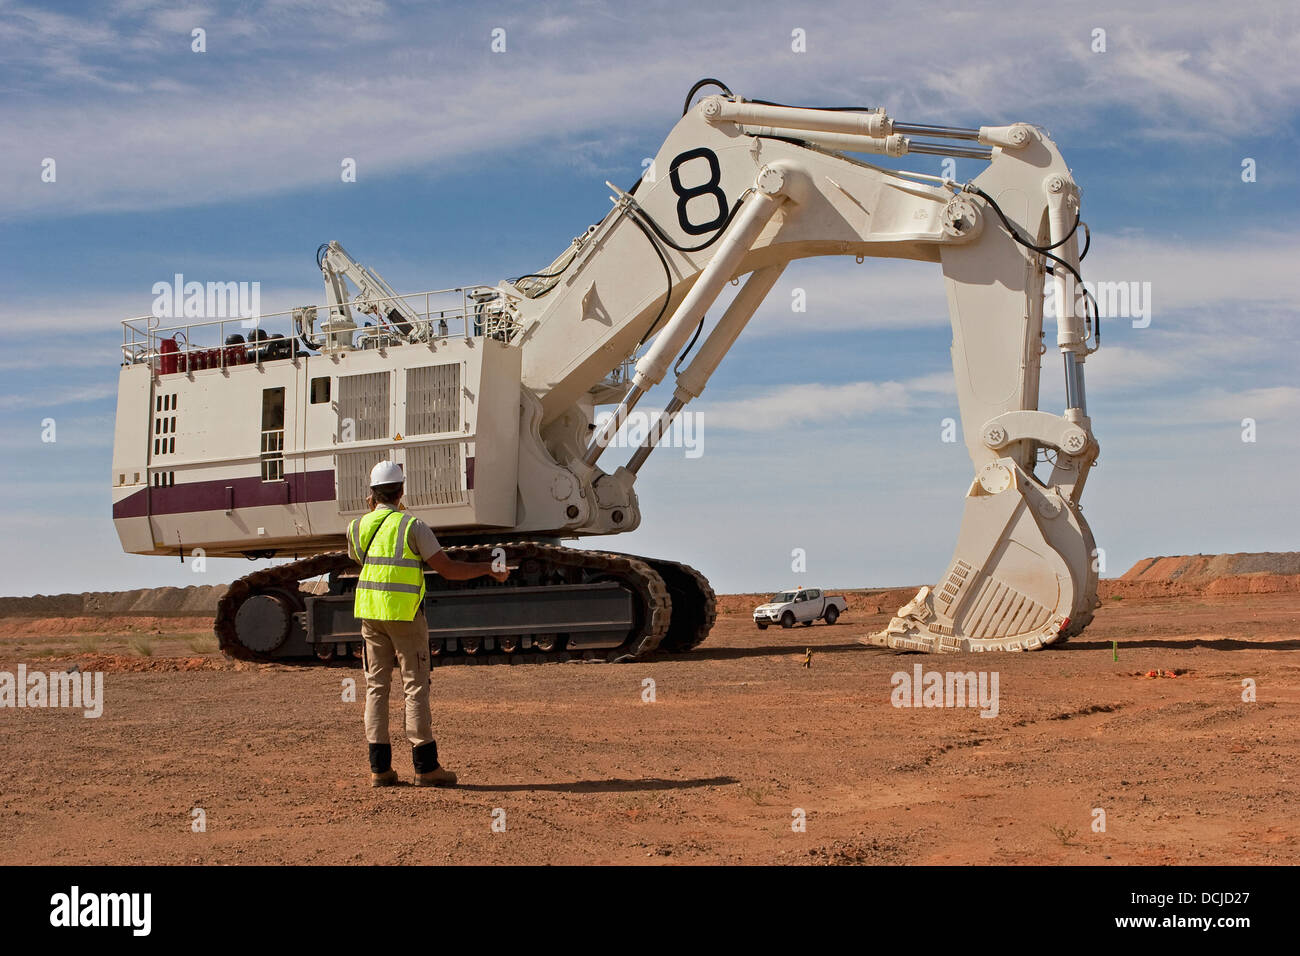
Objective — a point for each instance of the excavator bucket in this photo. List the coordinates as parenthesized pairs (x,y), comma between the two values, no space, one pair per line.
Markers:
(1022,576)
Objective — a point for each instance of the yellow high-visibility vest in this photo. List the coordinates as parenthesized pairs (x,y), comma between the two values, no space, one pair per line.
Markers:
(391,584)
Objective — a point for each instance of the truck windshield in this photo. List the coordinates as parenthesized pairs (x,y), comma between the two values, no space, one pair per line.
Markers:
(782,597)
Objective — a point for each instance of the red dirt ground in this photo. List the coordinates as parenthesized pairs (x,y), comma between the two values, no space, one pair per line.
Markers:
(739,738)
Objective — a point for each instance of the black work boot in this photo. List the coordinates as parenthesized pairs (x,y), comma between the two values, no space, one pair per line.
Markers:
(427,771)
(382,773)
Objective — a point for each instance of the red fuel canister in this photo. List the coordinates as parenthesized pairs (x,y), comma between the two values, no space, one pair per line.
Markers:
(167,355)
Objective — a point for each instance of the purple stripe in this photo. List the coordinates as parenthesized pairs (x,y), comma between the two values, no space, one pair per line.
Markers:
(213,495)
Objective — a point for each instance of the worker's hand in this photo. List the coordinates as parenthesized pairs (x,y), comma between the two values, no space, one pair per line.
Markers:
(500,576)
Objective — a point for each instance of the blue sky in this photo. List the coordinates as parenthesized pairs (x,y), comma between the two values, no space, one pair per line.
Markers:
(821,428)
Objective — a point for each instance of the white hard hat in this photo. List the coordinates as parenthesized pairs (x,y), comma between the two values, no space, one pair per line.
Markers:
(386,473)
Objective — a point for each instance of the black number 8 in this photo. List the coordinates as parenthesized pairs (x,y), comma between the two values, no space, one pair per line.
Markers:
(709,188)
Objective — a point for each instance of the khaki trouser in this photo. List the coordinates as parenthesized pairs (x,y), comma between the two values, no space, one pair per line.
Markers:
(405,644)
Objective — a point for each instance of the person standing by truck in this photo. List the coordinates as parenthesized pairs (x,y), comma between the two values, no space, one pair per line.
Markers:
(393,549)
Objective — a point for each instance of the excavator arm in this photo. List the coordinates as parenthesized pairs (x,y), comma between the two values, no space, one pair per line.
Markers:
(742,188)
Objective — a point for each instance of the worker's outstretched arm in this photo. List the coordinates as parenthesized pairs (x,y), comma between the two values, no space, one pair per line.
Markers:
(454,570)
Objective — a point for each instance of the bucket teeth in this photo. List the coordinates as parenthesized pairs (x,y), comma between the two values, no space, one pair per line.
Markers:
(921,642)
(919,639)
(916,629)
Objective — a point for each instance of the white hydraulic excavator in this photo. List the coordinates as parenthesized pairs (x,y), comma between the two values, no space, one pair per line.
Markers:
(497,424)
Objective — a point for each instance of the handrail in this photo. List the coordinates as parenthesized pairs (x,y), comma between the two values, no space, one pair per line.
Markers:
(141,337)
(471,313)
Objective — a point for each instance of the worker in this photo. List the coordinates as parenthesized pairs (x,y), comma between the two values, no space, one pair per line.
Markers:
(393,549)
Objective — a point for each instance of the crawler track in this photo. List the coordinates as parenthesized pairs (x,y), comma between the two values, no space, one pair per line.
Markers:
(674,606)
(695,607)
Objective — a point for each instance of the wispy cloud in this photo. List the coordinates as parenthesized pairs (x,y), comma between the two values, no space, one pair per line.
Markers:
(56,397)
(1226,408)
(816,404)
(1234,284)
(424,88)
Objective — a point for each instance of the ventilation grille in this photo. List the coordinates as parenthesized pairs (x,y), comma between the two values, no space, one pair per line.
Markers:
(433,399)
(352,469)
(435,475)
(363,407)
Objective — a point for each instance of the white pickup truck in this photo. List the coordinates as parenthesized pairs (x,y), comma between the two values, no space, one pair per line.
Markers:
(799,606)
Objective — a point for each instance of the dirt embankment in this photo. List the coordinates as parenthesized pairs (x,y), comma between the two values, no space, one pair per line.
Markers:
(1208,575)
(1176,576)
(1203,575)
(150,602)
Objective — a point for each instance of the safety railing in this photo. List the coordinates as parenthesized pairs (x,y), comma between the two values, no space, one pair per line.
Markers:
(200,343)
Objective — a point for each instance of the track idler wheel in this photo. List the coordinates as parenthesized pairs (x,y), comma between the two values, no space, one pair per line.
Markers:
(694,605)
(263,621)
